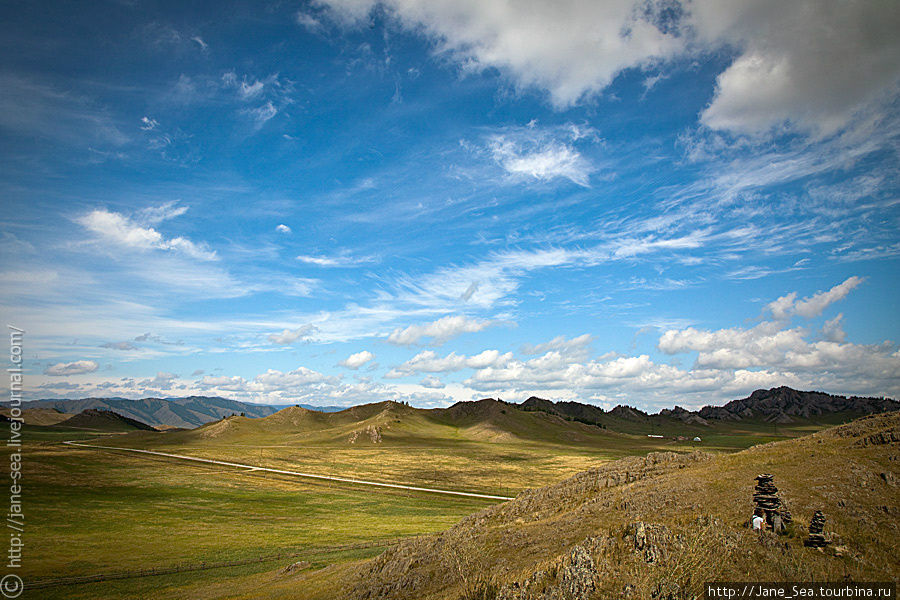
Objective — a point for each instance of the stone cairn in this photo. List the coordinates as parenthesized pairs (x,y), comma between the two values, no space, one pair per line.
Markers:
(816,538)
(765,497)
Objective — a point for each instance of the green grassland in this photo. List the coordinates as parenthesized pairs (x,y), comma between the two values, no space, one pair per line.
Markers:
(93,512)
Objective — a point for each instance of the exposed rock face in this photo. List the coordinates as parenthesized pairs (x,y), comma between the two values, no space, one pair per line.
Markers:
(783,404)
(629,413)
(683,415)
(574,576)
(575,411)
(372,431)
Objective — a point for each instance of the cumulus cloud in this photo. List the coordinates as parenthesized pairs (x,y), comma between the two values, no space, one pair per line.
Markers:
(810,64)
(814,305)
(77,367)
(282,228)
(289,336)
(735,347)
(429,362)
(570,48)
(356,360)
(118,229)
(432,382)
(833,330)
(439,331)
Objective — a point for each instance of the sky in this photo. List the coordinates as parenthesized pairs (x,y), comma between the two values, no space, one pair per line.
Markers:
(337,202)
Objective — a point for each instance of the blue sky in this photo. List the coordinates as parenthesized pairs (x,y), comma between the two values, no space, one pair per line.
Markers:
(338,202)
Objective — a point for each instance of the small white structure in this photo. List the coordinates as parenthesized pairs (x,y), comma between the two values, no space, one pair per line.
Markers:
(697,439)
(653,436)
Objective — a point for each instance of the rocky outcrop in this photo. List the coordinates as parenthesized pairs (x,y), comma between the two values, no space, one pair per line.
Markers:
(373,433)
(784,405)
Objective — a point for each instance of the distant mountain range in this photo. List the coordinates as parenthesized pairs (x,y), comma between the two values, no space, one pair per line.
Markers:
(187,412)
(780,405)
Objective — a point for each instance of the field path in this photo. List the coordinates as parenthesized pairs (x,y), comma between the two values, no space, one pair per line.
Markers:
(294,473)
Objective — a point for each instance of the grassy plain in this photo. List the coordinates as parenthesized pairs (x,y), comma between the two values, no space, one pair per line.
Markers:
(92,512)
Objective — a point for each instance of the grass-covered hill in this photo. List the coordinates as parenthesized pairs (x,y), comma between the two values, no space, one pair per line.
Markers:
(394,423)
(103,420)
(40,416)
(654,527)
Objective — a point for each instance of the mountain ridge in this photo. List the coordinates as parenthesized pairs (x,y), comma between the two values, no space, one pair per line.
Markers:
(778,405)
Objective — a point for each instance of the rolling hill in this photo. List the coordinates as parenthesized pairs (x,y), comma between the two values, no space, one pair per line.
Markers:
(103,420)
(485,420)
(40,416)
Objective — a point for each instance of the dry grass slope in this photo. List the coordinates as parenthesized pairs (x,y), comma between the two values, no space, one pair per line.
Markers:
(656,527)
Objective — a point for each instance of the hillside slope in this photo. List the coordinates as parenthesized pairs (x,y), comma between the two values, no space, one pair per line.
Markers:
(103,420)
(656,527)
(394,423)
(40,416)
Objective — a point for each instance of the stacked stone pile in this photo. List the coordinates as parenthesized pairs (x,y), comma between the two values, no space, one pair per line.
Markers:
(816,538)
(765,497)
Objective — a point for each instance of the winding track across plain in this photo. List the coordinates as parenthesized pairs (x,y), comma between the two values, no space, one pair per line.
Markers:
(398,486)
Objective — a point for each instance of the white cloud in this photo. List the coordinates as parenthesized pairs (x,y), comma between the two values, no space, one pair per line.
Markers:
(148,124)
(814,305)
(439,331)
(199,41)
(811,64)
(120,230)
(248,91)
(73,368)
(289,336)
(308,21)
(342,260)
(833,330)
(282,228)
(429,362)
(544,163)
(572,49)
(124,346)
(764,344)
(153,215)
(432,382)
(574,346)
(261,114)
(355,361)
